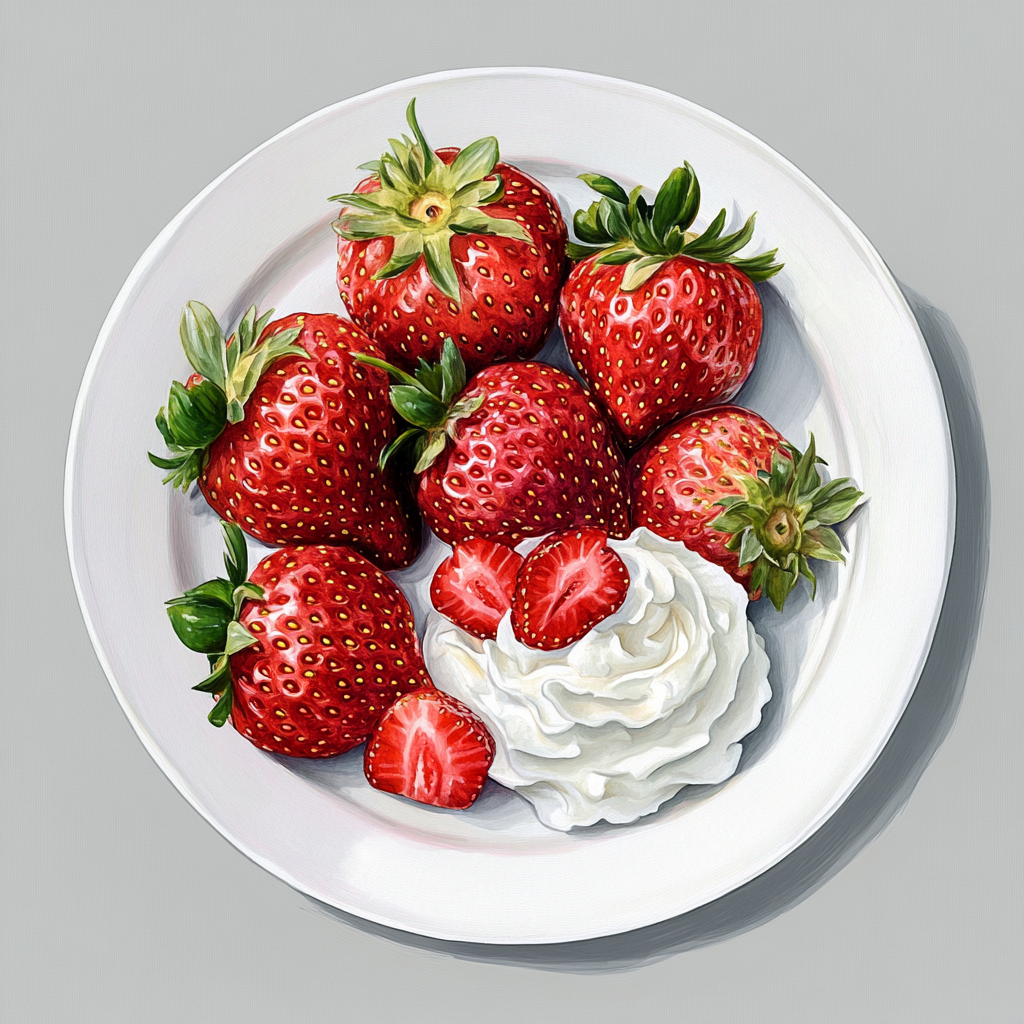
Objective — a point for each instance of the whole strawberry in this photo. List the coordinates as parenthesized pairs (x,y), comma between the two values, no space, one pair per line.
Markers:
(450,244)
(731,488)
(284,431)
(306,654)
(659,320)
(519,451)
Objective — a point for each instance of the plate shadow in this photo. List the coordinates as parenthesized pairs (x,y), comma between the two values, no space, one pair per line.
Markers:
(888,784)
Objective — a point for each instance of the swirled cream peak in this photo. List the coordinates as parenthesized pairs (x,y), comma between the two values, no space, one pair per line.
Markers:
(653,698)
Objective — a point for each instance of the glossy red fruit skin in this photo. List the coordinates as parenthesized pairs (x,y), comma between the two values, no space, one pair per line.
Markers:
(337,646)
(473,586)
(467,750)
(301,466)
(509,289)
(604,592)
(537,456)
(677,477)
(686,338)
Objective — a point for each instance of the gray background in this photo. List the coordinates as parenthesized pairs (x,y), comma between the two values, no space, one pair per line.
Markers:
(121,904)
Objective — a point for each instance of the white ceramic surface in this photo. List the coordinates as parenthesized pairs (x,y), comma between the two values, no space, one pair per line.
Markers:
(843,668)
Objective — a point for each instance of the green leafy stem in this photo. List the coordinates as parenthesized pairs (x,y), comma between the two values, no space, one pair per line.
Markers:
(422,203)
(430,401)
(621,229)
(784,519)
(205,619)
(194,417)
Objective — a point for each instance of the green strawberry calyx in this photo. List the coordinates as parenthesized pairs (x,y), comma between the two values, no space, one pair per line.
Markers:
(784,519)
(422,203)
(194,417)
(430,401)
(625,229)
(205,619)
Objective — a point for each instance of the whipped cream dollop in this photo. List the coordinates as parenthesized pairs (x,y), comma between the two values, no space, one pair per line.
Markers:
(653,698)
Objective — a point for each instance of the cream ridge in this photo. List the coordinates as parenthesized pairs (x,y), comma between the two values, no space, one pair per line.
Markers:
(654,698)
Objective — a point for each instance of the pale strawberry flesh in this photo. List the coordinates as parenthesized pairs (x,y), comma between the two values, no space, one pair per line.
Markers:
(430,748)
(473,586)
(567,585)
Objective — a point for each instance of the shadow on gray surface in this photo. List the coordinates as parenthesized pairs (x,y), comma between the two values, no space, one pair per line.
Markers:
(886,787)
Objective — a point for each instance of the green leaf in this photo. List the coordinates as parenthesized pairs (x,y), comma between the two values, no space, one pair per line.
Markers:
(174,463)
(733,518)
(617,257)
(399,442)
(588,230)
(418,407)
(639,271)
(407,250)
(691,201)
(438,253)
(219,715)
(197,416)
(838,505)
(668,204)
(203,341)
(236,558)
(436,441)
(606,187)
(781,474)
(392,371)
(218,679)
(238,638)
(469,221)
(611,219)
(759,268)
(750,548)
(213,590)
(808,573)
(580,252)
(427,156)
(822,542)
(453,371)
(474,162)
(778,586)
(479,193)
(200,624)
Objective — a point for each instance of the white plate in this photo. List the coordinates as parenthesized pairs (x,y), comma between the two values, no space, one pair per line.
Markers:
(842,356)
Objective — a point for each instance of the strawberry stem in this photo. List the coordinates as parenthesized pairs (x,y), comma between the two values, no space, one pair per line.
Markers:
(785,519)
(621,229)
(422,203)
(429,400)
(205,619)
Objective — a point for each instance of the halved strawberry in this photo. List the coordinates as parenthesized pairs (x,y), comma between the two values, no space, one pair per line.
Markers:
(431,748)
(567,585)
(473,586)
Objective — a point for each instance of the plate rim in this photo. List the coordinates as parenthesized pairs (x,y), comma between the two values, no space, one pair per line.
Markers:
(623,87)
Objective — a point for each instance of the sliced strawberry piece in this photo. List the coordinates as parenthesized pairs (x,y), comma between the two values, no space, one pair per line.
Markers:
(473,587)
(431,748)
(567,585)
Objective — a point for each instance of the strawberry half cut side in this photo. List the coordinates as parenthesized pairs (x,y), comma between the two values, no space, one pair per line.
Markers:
(473,586)
(431,748)
(567,585)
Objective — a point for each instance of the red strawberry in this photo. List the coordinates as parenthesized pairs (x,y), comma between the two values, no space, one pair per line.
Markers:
(518,452)
(567,585)
(431,748)
(473,586)
(285,433)
(730,487)
(451,244)
(659,320)
(308,653)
